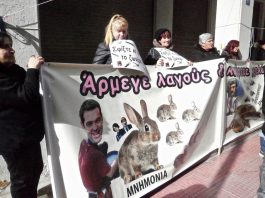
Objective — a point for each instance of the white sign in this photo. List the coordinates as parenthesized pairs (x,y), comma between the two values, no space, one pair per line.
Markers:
(124,54)
(171,58)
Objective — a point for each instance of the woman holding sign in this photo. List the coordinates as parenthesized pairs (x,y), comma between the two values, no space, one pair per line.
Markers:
(162,39)
(162,53)
(116,29)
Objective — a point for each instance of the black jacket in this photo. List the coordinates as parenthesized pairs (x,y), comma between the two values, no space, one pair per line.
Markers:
(102,55)
(152,57)
(257,54)
(199,54)
(21,118)
(225,54)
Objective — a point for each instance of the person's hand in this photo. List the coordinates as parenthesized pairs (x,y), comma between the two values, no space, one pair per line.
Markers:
(190,63)
(160,62)
(35,62)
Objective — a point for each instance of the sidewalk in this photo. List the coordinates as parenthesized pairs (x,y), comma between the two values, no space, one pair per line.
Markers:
(44,187)
(235,173)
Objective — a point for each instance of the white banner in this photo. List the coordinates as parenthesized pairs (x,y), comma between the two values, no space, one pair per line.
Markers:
(174,119)
(244,92)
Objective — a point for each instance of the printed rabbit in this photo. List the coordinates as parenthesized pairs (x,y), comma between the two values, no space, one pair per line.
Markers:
(166,112)
(243,114)
(138,154)
(191,114)
(174,137)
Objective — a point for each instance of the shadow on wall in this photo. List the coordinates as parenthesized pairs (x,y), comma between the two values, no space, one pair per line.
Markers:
(23,36)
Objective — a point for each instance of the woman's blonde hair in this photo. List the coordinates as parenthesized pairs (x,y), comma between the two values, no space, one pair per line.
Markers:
(116,20)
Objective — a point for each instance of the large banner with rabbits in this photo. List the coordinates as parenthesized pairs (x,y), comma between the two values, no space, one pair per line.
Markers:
(122,133)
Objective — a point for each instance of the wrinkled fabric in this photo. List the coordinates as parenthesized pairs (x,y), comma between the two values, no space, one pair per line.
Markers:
(21,119)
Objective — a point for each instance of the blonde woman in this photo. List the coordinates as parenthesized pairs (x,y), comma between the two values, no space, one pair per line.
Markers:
(116,29)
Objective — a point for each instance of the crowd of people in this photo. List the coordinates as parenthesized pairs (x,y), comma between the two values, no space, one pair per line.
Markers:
(21,123)
(203,50)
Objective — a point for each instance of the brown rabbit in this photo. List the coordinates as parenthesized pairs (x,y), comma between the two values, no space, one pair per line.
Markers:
(241,117)
(138,153)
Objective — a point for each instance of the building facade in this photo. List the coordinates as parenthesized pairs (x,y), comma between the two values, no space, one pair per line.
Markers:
(70,30)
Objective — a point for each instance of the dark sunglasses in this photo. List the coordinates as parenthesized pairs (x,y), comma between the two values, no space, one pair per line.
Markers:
(6,46)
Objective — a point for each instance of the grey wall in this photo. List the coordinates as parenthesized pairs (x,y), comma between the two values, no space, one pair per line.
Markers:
(22,25)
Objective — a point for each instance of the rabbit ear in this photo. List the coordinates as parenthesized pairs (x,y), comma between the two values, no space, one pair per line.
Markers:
(132,115)
(170,98)
(144,108)
(177,125)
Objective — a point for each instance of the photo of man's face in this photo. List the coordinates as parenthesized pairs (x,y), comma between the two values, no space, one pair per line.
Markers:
(93,124)
(232,89)
(124,121)
(116,129)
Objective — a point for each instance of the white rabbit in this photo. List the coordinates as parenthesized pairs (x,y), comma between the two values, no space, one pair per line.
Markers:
(174,137)
(191,114)
(138,153)
(167,111)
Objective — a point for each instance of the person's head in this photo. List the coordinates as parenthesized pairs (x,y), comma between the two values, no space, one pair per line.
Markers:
(261,44)
(232,47)
(163,37)
(116,29)
(123,121)
(232,86)
(115,127)
(91,120)
(7,53)
(206,41)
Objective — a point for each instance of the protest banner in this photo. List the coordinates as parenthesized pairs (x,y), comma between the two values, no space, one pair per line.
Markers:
(176,118)
(244,89)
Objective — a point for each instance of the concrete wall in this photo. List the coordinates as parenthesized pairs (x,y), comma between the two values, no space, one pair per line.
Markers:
(233,21)
(22,25)
(164,14)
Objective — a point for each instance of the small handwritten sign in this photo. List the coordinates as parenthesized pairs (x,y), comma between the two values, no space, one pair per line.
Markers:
(171,59)
(124,54)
